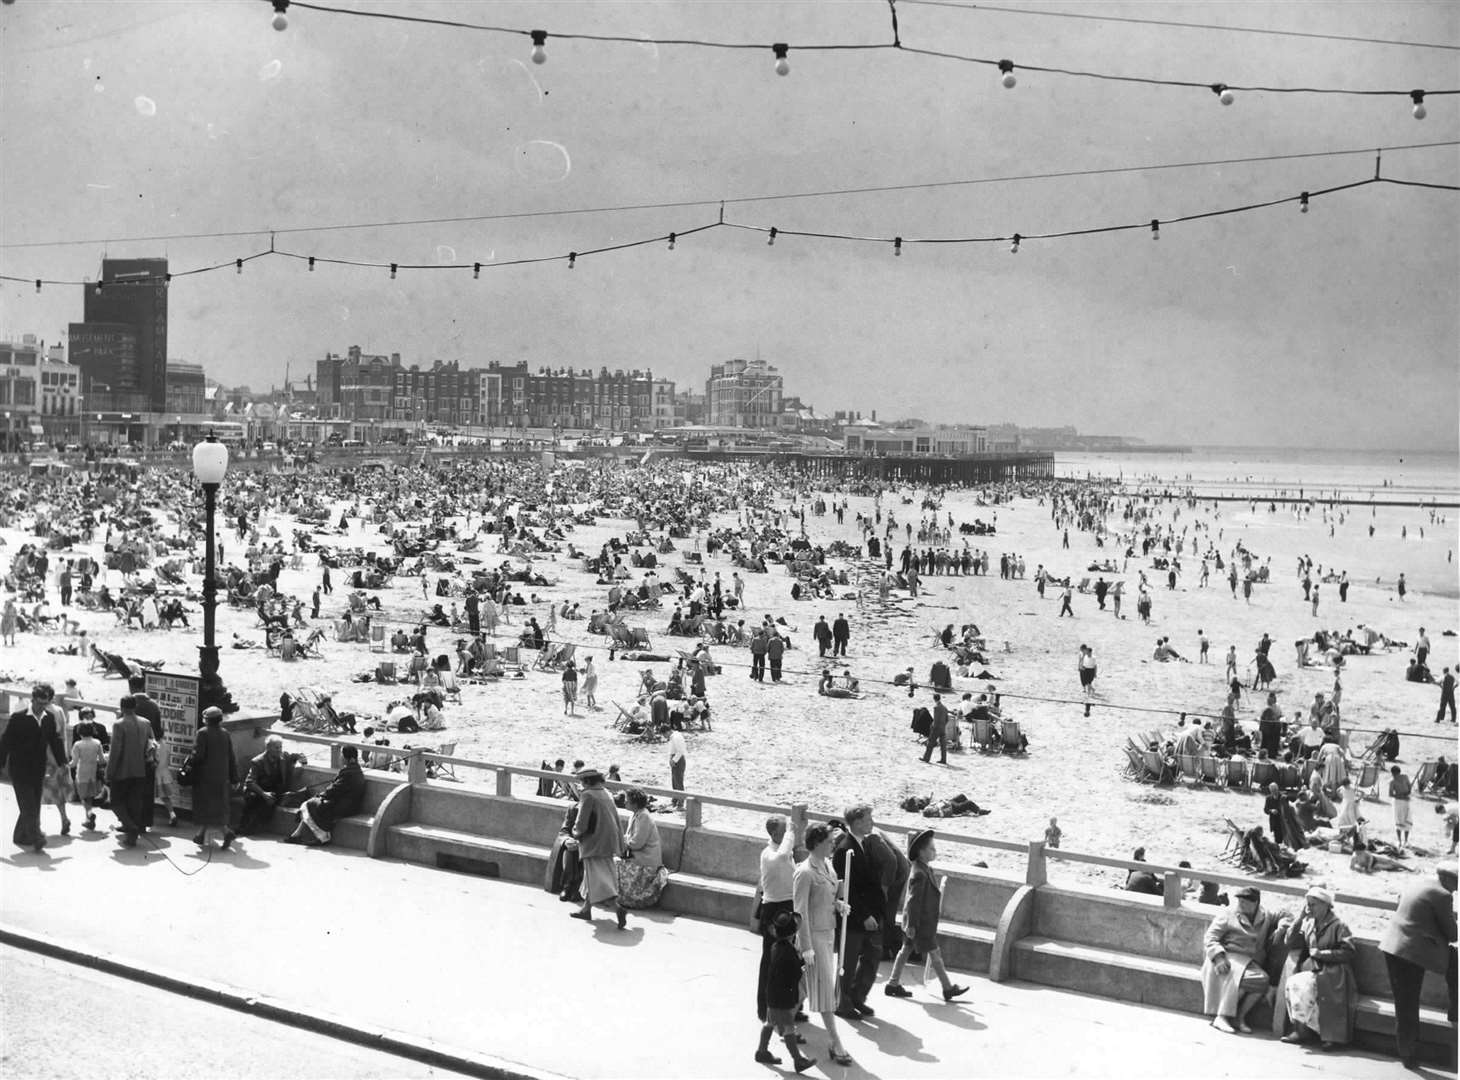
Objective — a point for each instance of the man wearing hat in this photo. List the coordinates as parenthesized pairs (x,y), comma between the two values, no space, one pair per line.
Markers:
(1420,938)
(924,906)
(600,837)
(1237,947)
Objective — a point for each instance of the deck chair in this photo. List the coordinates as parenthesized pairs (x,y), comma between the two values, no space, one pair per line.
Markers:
(512,656)
(982,734)
(1239,773)
(1013,738)
(1367,785)
(1425,776)
(549,658)
(1190,768)
(1213,770)
(377,638)
(638,636)
(1152,761)
(444,769)
(98,661)
(1084,585)
(116,665)
(1232,852)
(1263,773)
(342,632)
(1136,767)
(385,672)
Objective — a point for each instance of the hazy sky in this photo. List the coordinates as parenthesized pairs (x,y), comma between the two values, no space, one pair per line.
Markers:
(133,118)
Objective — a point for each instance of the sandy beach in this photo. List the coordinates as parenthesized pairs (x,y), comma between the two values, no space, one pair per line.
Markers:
(784,743)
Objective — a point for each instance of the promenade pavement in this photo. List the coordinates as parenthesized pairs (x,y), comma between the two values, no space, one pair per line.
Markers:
(492,978)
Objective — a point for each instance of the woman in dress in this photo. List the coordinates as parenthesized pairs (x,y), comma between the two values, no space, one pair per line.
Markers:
(570,688)
(589,683)
(8,620)
(814,899)
(1321,993)
(217,775)
(641,873)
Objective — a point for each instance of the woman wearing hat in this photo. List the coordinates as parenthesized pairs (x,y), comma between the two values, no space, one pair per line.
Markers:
(600,837)
(924,905)
(217,773)
(1320,992)
(1233,972)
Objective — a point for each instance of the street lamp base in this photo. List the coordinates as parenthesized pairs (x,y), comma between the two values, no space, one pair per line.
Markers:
(212,691)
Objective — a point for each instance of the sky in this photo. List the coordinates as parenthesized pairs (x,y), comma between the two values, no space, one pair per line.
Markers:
(126,120)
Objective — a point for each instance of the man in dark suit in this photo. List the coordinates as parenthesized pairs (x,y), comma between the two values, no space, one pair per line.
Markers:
(822,633)
(133,752)
(150,711)
(841,633)
(938,733)
(1420,938)
(863,926)
(29,737)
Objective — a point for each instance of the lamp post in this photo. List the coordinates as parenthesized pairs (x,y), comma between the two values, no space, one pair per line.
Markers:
(210,462)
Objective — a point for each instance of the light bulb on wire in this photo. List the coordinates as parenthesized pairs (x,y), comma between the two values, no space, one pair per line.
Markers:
(1224,95)
(1155,229)
(1303,203)
(771,241)
(783,66)
(1014,247)
(539,46)
(1418,97)
(281,15)
(1009,80)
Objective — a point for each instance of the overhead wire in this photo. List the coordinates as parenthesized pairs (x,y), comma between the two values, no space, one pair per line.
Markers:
(731,200)
(1304,199)
(540,37)
(1359,39)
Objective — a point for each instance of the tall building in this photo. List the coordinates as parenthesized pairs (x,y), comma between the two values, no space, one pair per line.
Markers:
(186,388)
(743,393)
(356,386)
(123,340)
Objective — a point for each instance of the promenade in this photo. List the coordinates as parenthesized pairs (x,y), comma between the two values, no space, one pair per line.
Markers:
(490,978)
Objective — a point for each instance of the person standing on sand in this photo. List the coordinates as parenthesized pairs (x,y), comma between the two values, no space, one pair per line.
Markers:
(1087,670)
(1315,601)
(1402,587)
(1203,646)
(1065,608)
(589,683)
(1447,697)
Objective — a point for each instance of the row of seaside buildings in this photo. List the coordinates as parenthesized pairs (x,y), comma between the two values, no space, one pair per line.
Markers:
(112,382)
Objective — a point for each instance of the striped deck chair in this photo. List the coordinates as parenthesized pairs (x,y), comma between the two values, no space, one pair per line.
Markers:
(1239,773)
(1136,768)
(1213,770)
(1190,768)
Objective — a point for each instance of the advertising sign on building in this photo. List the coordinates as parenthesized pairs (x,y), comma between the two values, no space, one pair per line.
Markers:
(177,696)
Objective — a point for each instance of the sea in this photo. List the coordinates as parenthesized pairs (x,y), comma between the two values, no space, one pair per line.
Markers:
(1379,475)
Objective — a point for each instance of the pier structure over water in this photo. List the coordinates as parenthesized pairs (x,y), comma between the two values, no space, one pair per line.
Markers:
(907,468)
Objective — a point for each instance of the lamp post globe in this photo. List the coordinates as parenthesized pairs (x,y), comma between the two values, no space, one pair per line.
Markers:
(210,464)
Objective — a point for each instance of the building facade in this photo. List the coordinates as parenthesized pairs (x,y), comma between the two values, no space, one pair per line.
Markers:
(932,439)
(186,388)
(131,296)
(743,393)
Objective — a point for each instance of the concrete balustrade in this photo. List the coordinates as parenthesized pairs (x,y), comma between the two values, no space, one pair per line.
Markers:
(1102,941)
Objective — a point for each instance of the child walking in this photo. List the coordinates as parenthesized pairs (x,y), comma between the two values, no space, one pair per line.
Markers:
(924,905)
(783,994)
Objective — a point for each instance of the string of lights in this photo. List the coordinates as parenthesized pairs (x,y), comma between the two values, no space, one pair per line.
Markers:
(784,196)
(772,233)
(1312,35)
(1225,92)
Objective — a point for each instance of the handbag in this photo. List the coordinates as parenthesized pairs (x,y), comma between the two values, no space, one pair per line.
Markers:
(187,776)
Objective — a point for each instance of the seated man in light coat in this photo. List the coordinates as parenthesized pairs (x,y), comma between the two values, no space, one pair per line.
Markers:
(1233,971)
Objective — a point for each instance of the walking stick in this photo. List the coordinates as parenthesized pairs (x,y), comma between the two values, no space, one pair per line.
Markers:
(842,891)
(928,960)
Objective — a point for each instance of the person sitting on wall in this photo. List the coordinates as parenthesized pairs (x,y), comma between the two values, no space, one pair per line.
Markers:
(319,815)
(271,776)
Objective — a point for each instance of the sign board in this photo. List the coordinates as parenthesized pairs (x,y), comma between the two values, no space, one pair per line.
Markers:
(177,696)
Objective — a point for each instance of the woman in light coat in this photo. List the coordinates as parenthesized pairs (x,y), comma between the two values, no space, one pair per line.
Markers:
(814,899)
(1320,991)
(641,873)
